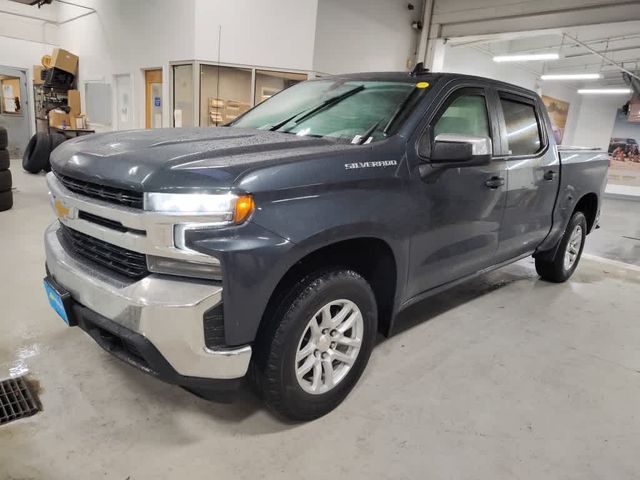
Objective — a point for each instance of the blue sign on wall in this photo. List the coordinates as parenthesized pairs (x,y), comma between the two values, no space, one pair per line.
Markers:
(156,101)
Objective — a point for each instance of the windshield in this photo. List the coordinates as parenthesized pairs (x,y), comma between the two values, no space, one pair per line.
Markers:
(354,111)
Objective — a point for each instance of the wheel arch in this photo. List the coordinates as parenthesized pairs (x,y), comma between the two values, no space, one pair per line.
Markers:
(588,205)
(355,254)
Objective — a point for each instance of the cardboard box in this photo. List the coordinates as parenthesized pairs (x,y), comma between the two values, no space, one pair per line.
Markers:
(37,74)
(59,119)
(73,100)
(64,60)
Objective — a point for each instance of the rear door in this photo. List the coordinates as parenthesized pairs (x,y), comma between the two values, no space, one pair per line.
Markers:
(533,174)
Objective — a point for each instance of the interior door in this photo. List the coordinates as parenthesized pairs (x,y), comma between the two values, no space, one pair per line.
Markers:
(15,112)
(153,98)
(533,175)
(459,208)
(124,102)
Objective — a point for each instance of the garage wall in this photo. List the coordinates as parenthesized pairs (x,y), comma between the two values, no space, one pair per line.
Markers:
(22,53)
(129,36)
(595,120)
(34,30)
(278,33)
(364,35)
(125,37)
(472,61)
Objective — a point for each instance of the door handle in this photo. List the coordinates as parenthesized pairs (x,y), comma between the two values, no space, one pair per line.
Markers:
(494,182)
(549,175)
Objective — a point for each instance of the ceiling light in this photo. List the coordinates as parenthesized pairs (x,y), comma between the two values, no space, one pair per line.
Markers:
(526,57)
(606,91)
(572,76)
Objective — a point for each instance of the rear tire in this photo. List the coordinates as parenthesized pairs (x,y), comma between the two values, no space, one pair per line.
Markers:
(343,309)
(565,261)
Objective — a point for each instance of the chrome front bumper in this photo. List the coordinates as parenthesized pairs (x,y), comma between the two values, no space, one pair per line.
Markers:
(167,311)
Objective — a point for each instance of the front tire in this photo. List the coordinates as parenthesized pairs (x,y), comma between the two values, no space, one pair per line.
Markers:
(315,346)
(565,261)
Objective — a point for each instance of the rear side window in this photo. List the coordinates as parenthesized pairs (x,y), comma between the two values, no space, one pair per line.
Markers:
(467,115)
(523,131)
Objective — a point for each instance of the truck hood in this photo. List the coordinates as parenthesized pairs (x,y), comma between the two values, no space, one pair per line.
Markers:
(180,159)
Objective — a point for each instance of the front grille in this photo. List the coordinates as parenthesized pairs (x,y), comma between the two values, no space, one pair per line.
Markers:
(126,262)
(120,196)
(107,222)
(213,323)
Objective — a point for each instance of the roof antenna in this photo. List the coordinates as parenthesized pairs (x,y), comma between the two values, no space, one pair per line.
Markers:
(419,69)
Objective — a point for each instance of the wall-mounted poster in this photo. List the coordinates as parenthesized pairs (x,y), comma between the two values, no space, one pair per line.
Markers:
(558,111)
(624,151)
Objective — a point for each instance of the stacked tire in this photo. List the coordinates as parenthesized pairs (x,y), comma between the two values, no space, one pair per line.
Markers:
(6,183)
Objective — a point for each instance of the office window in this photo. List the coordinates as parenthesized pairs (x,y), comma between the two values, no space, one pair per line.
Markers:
(10,101)
(268,83)
(225,93)
(183,95)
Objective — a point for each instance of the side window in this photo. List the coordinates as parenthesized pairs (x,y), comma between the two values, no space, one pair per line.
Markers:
(523,131)
(467,115)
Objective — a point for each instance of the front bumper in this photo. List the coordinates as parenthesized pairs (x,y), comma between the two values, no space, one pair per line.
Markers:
(166,312)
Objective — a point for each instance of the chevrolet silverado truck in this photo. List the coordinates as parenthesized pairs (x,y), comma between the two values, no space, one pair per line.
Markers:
(275,248)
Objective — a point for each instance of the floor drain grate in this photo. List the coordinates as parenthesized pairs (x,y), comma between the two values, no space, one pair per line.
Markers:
(16,400)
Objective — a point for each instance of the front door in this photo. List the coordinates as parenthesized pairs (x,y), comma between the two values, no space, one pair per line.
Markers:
(153,98)
(124,102)
(459,208)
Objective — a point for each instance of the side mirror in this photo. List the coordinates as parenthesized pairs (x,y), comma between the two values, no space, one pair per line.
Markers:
(456,148)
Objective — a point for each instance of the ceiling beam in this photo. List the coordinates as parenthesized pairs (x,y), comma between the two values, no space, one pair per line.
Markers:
(604,52)
(604,57)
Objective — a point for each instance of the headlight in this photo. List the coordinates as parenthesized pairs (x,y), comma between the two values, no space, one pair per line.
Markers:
(222,209)
(200,211)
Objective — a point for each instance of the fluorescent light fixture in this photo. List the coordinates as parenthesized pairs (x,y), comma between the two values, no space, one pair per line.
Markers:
(572,76)
(604,91)
(526,57)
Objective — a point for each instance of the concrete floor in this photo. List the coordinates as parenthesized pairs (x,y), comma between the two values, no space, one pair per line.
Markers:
(510,377)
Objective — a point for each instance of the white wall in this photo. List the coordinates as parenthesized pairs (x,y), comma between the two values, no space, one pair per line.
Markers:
(277,33)
(22,53)
(595,120)
(471,61)
(364,35)
(127,37)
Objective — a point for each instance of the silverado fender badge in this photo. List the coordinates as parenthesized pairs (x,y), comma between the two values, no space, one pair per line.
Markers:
(383,163)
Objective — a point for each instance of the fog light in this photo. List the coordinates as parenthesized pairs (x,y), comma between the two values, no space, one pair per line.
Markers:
(184,268)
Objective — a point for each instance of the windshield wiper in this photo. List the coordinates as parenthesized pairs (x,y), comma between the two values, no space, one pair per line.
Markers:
(365,136)
(329,102)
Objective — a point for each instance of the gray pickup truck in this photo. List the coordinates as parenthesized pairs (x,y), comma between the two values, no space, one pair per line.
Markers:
(277,247)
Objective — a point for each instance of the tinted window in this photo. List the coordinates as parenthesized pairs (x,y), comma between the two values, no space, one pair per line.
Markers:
(523,132)
(467,115)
